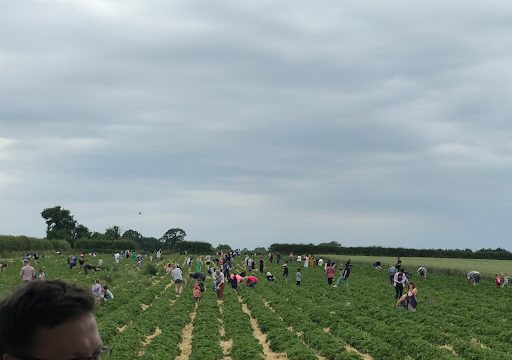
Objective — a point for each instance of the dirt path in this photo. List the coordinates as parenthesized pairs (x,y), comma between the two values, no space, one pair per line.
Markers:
(351,349)
(262,338)
(186,338)
(148,340)
(300,335)
(226,345)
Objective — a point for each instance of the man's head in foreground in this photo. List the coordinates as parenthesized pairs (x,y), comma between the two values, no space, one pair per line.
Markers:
(49,320)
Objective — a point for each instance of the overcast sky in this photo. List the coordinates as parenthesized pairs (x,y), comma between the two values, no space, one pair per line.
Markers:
(254,122)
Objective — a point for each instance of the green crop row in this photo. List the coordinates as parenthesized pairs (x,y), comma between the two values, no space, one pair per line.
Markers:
(279,337)
(171,320)
(205,336)
(331,347)
(238,328)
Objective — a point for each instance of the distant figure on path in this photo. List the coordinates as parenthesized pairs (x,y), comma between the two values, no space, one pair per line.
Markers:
(219,278)
(196,294)
(377,265)
(177,277)
(422,272)
(261,264)
(298,277)
(473,277)
(285,271)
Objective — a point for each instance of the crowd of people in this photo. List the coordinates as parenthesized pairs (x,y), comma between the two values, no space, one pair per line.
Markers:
(51,296)
(221,270)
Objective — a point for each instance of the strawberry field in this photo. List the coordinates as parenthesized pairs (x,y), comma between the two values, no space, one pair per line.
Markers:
(279,320)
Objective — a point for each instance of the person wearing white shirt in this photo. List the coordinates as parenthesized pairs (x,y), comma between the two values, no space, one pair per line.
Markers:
(399,282)
(422,272)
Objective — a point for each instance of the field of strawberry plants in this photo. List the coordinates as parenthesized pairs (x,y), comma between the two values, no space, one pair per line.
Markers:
(280,320)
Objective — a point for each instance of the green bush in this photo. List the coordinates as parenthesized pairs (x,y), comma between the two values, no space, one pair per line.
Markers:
(149,269)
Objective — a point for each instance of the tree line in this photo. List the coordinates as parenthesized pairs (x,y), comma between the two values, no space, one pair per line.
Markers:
(63,232)
(336,249)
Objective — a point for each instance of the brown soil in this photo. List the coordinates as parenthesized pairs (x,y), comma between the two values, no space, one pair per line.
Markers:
(148,340)
(354,350)
(267,352)
(475,342)
(122,328)
(186,337)
(449,348)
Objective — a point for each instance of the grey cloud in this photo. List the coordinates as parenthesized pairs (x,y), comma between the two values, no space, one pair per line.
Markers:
(364,122)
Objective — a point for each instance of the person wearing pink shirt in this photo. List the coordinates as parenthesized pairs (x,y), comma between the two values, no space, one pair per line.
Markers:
(252,281)
(329,273)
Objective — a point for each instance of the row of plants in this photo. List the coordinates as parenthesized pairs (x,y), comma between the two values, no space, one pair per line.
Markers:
(171,319)
(279,337)
(238,328)
(419,334)
(205,336)
(112,316)
(333,348)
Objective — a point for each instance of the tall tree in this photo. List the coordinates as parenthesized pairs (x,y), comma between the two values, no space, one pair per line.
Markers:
(172,236)
(133,235)
(82,232)
(113,233)
(60,224)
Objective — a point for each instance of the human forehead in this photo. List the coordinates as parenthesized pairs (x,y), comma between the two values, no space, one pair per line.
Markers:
(76,337)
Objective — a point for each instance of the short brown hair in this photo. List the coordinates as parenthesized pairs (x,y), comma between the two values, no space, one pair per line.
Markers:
(41,304)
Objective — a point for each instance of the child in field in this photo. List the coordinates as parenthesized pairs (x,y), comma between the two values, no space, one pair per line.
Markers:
(197,291)
(298,277)
(285,271)
(498,280)
(41,275)
(107,294)
(505,280)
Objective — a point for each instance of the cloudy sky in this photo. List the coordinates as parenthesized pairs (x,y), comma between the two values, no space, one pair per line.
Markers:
(254,122)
